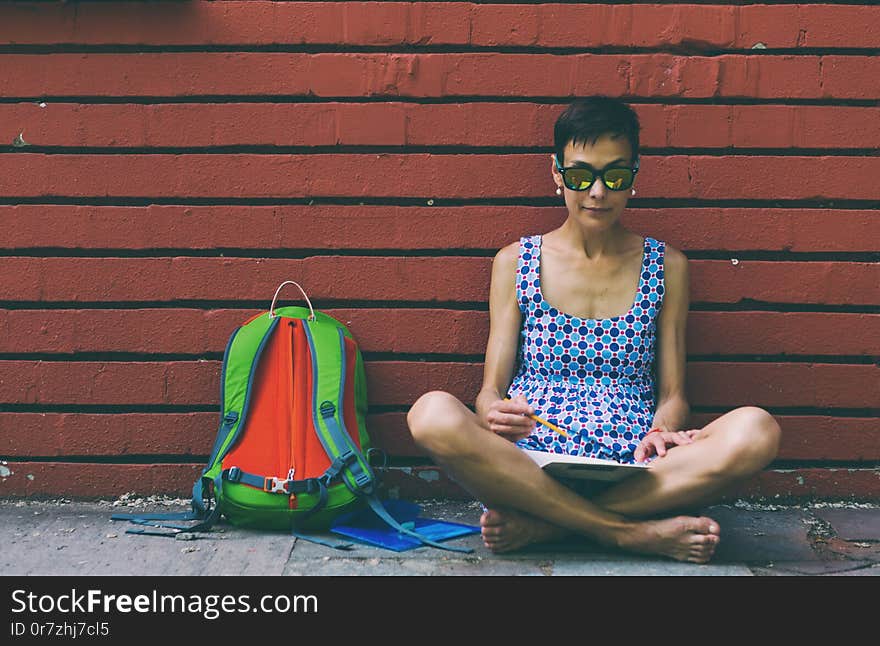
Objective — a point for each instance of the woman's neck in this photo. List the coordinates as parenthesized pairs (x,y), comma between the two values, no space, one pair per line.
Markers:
(595,244)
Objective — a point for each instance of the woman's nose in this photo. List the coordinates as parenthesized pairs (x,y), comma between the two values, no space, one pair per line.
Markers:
(598,189)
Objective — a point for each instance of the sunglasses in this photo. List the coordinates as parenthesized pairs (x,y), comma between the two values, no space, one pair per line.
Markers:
(581,178)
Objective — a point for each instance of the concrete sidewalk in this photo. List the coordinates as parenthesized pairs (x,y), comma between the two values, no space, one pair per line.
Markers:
(78,538)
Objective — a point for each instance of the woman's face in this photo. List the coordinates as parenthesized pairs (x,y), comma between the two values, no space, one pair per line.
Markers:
(597,206)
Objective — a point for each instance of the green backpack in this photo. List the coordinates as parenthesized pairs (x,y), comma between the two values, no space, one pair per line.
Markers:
(292,445)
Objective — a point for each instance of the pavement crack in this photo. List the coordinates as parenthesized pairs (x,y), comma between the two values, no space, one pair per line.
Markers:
(285,571)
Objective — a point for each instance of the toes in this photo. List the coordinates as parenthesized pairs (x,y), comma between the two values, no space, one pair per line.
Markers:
(701,553)
(711,526)
(491,518)
(702,525)
(709,540)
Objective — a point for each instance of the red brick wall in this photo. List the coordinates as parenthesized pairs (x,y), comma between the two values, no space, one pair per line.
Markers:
(182,159)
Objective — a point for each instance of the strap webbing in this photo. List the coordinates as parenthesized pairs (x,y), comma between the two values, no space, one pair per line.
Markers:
(348,457)
(207,520)
(357,475)
(381,512)
(187,515)
(308,485)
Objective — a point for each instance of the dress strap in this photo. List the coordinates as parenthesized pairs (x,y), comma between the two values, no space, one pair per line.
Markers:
(652,271)
(526,270)
(654,255)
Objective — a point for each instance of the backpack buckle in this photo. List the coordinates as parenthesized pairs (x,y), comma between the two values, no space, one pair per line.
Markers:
(277,485)
(327,409)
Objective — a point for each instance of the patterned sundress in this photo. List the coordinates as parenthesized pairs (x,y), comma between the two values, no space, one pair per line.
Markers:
(592,377)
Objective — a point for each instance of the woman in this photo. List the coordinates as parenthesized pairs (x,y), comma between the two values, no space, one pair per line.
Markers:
(587,330)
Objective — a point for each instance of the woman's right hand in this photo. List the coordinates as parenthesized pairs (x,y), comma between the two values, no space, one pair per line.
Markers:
(509,418)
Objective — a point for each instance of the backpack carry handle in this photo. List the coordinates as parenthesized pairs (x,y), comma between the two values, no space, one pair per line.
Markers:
(275,298)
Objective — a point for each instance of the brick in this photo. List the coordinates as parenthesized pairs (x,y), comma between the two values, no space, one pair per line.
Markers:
(121,434)
(804,437)
(89,480)
(848,77)
(193,331)
(764,178)
(433,75)
(677,76)
(400,383)
(393,123)
(818,437)
(796,77)
(790,333)
(437,176)
(390,279)
(505,25)
(782,282)
(812,385)
(393,23)
(818,25)
(813,483)
(372,278)
(411,228)
(83,480)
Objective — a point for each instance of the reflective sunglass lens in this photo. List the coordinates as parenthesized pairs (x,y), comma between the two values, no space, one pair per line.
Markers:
(578,179)
(618,179)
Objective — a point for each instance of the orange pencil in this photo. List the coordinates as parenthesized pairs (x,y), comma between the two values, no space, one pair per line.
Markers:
(552,427)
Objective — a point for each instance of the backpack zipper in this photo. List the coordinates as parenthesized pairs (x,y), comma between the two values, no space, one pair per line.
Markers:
(291,500)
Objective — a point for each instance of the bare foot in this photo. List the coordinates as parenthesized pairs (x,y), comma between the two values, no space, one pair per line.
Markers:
(507,530)
(683,538)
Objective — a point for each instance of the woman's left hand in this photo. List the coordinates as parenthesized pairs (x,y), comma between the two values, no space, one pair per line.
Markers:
(659,441)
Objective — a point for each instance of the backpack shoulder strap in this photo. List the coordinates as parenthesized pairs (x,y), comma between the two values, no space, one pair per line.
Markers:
(240,361)
(346,460)
(327,351)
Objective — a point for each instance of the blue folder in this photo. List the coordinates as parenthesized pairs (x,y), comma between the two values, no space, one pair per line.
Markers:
(366,527)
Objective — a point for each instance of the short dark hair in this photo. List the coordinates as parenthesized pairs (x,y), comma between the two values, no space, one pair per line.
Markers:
(589,118)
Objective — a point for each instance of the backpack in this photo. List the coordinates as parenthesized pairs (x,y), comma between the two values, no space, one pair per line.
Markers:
(291,449)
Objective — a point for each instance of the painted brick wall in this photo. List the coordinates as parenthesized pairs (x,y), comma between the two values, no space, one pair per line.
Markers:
(164,166)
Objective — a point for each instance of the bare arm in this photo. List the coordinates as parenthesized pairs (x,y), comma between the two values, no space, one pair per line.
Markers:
(505,319)
(672,407)
(673,410)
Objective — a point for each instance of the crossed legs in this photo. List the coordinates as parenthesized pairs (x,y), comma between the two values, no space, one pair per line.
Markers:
(526,505)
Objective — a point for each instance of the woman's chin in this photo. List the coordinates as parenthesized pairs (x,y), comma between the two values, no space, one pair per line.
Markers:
(597,213)
(599,217)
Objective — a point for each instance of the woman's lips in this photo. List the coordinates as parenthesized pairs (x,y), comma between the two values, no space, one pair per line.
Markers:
(595,209)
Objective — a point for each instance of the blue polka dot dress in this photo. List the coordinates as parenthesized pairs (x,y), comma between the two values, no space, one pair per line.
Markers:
(592,377)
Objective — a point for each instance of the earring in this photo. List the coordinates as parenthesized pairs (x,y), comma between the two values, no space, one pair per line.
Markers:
(559,190)
(634,191)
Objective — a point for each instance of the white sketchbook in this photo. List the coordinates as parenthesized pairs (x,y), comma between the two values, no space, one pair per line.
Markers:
(575,466)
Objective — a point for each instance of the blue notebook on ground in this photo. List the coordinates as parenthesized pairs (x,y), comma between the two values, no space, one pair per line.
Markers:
(365,526)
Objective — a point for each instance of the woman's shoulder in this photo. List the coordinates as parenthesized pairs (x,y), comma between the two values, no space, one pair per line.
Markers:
(506,259)
(674,257)
(675,266)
